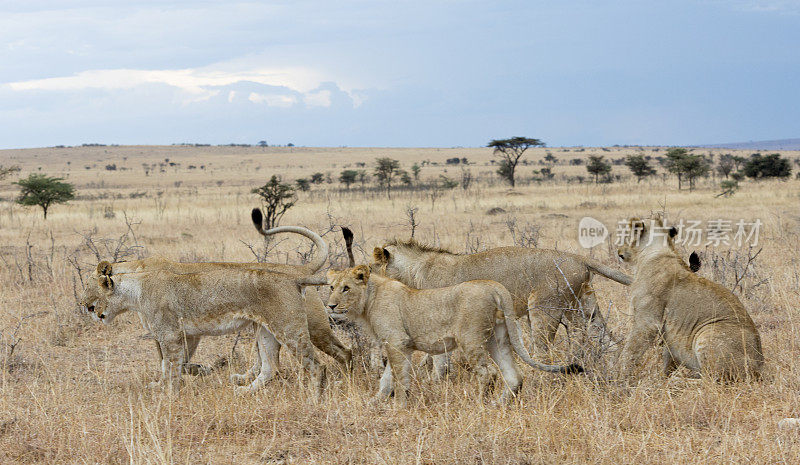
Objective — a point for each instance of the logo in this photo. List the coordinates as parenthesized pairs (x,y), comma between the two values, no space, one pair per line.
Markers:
(591,232)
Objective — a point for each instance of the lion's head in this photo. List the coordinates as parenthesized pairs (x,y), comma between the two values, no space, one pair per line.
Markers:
(348,289)
(644,233)
(97,293)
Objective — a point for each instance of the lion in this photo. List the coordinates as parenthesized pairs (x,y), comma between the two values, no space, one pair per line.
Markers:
(181,306)
(477,316)
(703,326)
(318,323)
(546,285)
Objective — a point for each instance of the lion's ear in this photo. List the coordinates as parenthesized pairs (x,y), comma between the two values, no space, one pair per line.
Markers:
(673,231)
(380,255)
(694,262)
(104,268)
(638,228)
(106,283)
(362,273)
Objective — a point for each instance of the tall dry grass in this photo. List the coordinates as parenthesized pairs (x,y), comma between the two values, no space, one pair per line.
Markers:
(75,392)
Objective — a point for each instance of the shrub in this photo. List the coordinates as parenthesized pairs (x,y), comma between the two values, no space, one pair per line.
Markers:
(770,166)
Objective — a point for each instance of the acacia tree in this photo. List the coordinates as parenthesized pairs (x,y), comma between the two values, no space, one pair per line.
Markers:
(674,163)
(510,152)
(597,166)
(44,191)
(415,169)
(694,166)
(363,177)
(639,167)
(769,166)
(726,164)
(683,164)
(277,198)
(385,171)
(348,177)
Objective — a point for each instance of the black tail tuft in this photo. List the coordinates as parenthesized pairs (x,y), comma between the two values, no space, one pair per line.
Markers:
(573,369)
(694,262)
(348,244)
(348,235)
(258,218)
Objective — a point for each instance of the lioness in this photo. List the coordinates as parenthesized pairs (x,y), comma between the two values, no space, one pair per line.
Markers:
(476,316)
(703,325)
(544,284)
(179,306)
(267,353)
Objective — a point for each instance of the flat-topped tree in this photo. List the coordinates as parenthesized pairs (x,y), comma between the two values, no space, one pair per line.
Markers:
(510,152)
(597,167)
(385,171)
(277,198)
(44,191)
(348,177)
(639,166)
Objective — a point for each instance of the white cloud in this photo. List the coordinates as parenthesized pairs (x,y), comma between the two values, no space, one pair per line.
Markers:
(321,98)
(273,100)
(190,80)
(197,84)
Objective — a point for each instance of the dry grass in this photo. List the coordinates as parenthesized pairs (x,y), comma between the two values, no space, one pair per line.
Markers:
(74,392)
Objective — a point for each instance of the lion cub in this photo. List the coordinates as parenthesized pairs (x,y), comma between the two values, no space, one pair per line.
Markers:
(703,325)
(477,316)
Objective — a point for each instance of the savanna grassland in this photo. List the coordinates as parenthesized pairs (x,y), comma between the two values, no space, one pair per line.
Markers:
(72,391)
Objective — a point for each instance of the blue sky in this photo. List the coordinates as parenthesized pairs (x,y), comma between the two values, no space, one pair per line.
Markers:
(398,73)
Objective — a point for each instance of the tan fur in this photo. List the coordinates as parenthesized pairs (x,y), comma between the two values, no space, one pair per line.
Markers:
(703,325)
(318,324)
(209,302)
(476,316)
(545,292)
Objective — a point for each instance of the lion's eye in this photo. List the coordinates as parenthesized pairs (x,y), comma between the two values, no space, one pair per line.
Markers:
(345,289)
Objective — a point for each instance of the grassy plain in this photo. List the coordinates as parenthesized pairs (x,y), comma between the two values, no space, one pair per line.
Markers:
(74,392)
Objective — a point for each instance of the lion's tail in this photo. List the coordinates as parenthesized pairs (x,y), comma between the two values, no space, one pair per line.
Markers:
(502,299)
(322,256)
(608,272)
(348,243)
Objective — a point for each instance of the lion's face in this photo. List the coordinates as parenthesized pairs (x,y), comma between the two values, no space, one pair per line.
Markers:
(348,288)
(97,293)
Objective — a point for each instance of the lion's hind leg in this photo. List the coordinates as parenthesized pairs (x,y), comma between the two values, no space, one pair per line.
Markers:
(545,312)
(500,350)
(266,363)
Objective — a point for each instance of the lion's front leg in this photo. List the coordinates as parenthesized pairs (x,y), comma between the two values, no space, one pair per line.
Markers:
(172,363)
(640,337)
(194,369)
(400,364)
(386,384)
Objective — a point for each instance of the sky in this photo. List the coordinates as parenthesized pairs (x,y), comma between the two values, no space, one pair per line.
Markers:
(398,73)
